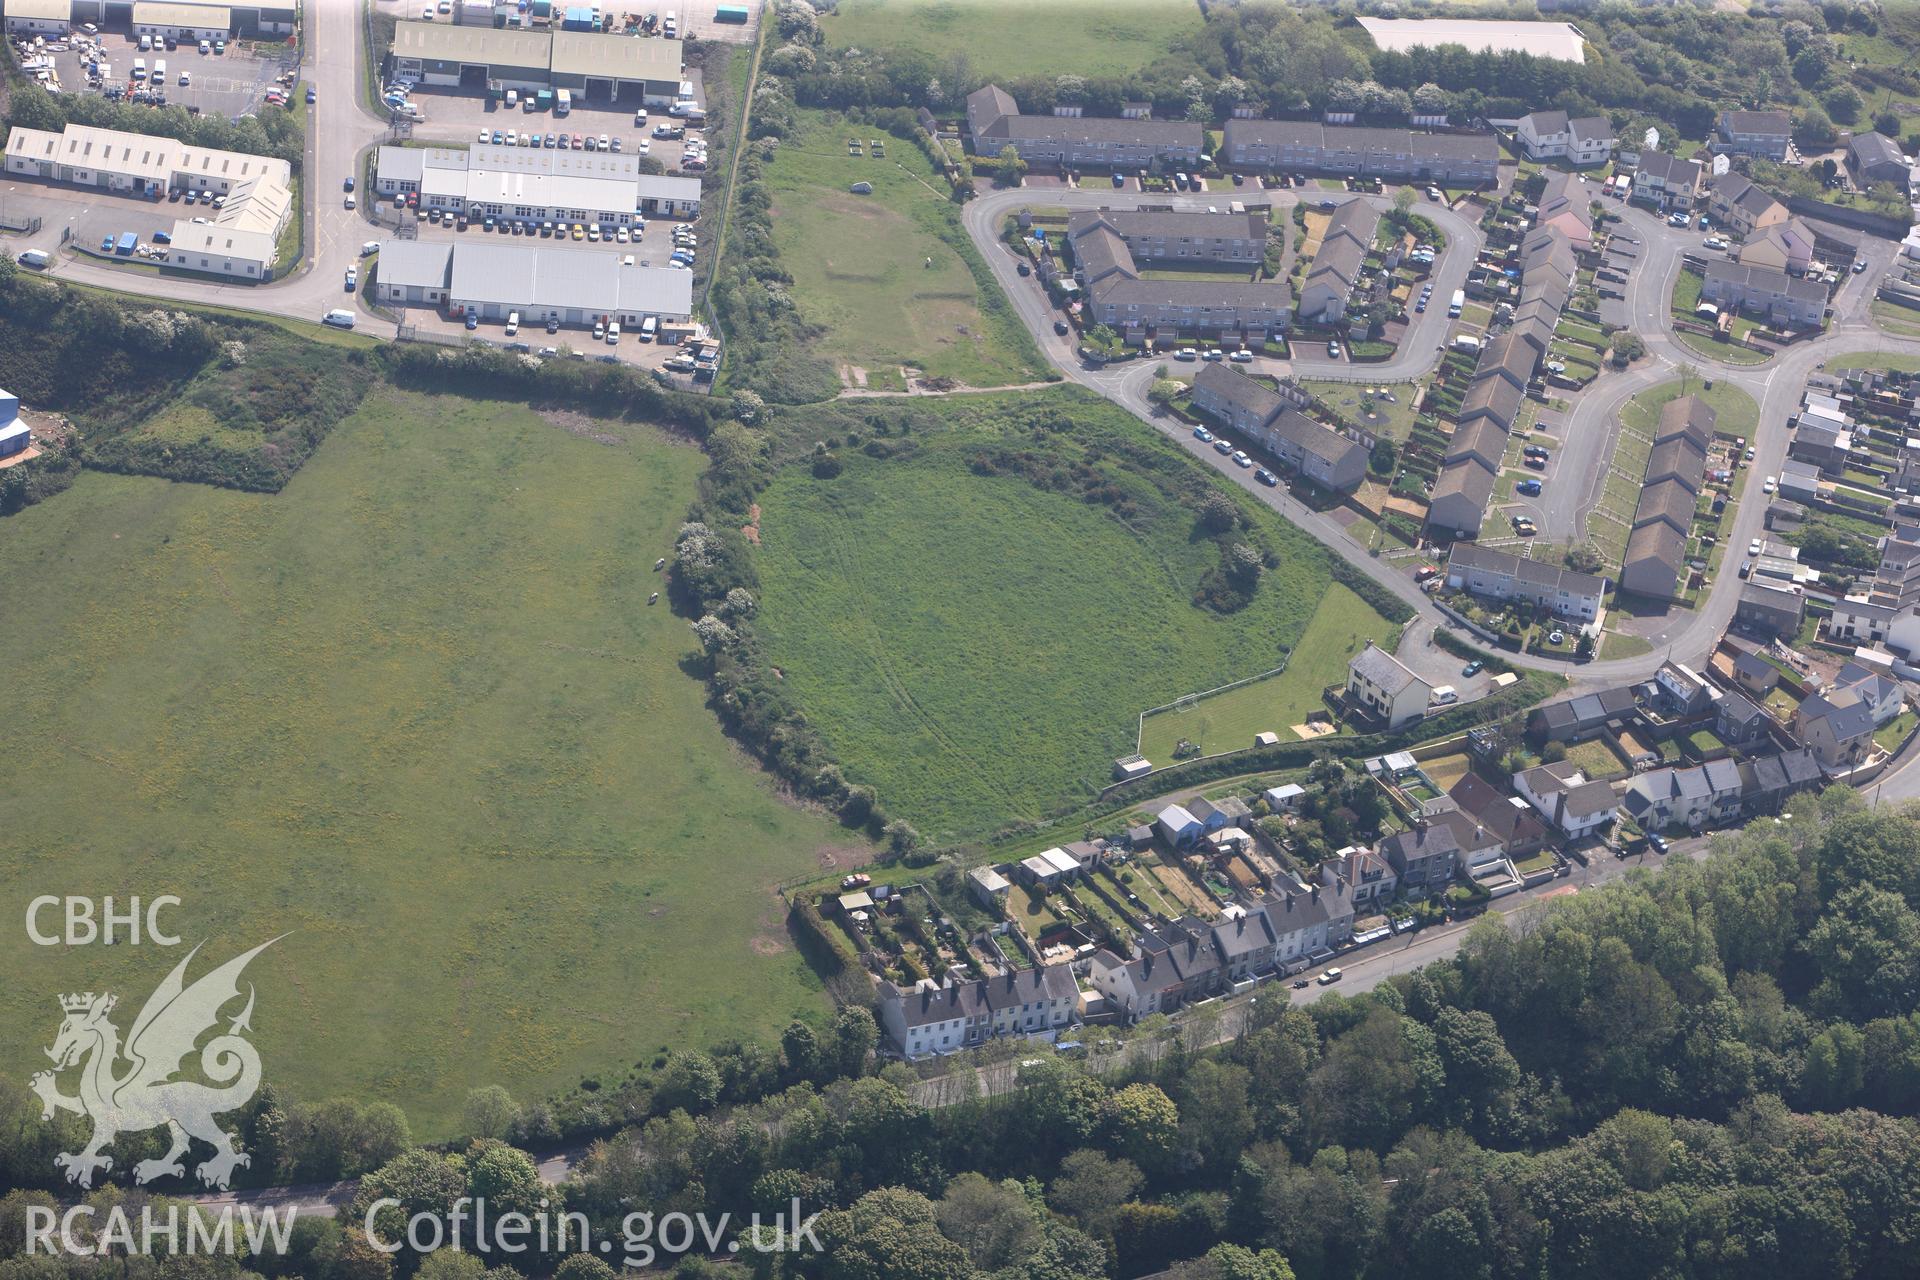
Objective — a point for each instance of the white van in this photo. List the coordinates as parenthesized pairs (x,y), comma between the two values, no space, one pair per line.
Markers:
(38,259)
(146,43)
(160,70)
(338,319)
(1444,694)
(139,68)
(1456,303)
(513,323)
(613,333)
(648,328)
(513,97)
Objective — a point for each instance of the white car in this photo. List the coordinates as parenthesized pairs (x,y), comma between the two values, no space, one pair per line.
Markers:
(1186,353)
(1330,977)
(1753,548)
(1242,356)
(353,278)
(369,248)
(486,135)
(1773,482)
(350,200)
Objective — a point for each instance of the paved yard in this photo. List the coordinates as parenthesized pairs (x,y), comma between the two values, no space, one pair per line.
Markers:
(231,84)
(457,116)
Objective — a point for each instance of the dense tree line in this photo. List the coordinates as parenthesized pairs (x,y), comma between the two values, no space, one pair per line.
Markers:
(1706,1071)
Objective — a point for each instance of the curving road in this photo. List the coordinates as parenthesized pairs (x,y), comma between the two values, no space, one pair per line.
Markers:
(1587,434)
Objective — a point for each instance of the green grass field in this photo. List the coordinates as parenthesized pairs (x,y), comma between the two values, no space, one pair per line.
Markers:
(1890,360)
(979,648)
(1735,413)
(859,265)
(1340,628)
(1006,39)
(415,713)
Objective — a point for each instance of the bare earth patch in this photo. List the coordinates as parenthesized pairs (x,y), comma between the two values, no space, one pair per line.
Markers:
(579,424)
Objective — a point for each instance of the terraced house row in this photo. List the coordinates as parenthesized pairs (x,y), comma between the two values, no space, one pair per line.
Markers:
(1499,386)
(1262,414)
(1304,146)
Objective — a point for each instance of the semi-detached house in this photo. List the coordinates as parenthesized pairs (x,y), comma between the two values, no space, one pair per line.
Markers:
(1753,133)
(1783,300)
(1553,135)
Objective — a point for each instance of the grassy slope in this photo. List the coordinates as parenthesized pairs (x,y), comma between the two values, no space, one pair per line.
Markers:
(416,710)
(1340,627)
(1735,413)
(980,649)
(1006,38)
(858,264)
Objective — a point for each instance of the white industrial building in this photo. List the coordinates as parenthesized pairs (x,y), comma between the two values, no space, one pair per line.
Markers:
(571,286)
(188,23)
(238,241)
(135,163)
(524,185)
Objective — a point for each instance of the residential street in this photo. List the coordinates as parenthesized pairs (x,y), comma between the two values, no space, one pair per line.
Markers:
(1775,386)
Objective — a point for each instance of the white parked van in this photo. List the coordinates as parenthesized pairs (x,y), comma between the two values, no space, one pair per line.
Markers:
(146,43)
(160,70)
(513,323)
(613,333)
(338,319)
(648,328)
(38,259)
(139,68)
(1444,694)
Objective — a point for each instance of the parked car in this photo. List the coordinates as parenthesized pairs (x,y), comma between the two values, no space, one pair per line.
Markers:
(1266,477)
(1240,458)
(1330,977)
(1531,488)
(353,278)
(1222,445)
(1186,353)
(338,319)
(1753,547)
(1242,356)
(1060,327)
(1773,482)
(1023,269)
(1473,668)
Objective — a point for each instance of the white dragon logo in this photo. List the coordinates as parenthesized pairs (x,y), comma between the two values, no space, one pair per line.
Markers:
(146,1095)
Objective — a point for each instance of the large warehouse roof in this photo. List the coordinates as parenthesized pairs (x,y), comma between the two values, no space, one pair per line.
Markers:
(1561,40)
(586,279)
(561,53)
(40,10)
(604,57)
(493,46)
(181,15)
